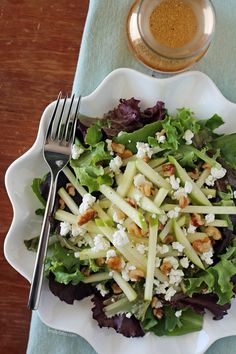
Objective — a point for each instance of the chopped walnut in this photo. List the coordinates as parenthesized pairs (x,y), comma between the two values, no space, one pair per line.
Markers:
(126,154)
(146,159)
(160,226)
(100,261)
(168,239)
(115,263)
(206,166)
(147,189)
(136,274)
(61,203)
(132,202)
(118,148)
(70,189)
(154,302)
(213,232)
(183,201)
(116,289)
(158,313)
(134,230)
(89,214)
(196,220)
(85,271)
(120,215)
(166,268)
(168,169)
(194,174)
(202,246)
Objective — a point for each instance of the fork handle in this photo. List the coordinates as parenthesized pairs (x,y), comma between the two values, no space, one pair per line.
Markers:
(37,280)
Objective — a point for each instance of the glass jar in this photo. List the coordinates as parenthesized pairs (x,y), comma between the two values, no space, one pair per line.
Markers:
(158,56)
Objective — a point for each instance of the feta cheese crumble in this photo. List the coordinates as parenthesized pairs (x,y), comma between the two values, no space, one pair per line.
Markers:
(120,237)
(184,262)
(141,248)
(76,151)
(77,230)
(65,228)
(174,182)
(216,173)
(139,180)
(172,260)
(209,218)
(143,150)
(100,244)
(178,313)
(170,293)
(117,219)
(88,201)
(188,136)
(77,254)
(175,276)
(177,246)
(128,315)
(188,187)
(109,147)
(162,249)
(110,254)
(163,218)
(101,288)
(191,229)
(173,213)
(115,164)
(207,257)
(158,262)
(161,138)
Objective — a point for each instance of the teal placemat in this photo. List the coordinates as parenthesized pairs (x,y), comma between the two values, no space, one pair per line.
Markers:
(104,49)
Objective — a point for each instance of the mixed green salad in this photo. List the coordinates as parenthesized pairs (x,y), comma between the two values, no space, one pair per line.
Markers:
(144,220)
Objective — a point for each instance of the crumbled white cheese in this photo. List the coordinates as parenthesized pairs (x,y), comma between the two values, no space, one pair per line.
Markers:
(192,266)
(188,187)
(128,315)
(76,151)
(169,293)
(129,141)
(207,256)
(218,173)
(77,230)
(109,147)
(161,138)
(191,229)
(172,260)
(100,244)
(110,253)
(120,238)
(77,254)
(179,193)
(141,248)
(162,249)
(209,218)
(115,164)
(137,195)
(139,180)
(188,136)
(143,150)
(161,288)
(88,201)
(177,246)
(178,313)
(111,273)
(163,218)
(175,276)
(173,213)
(174,182)
(65,228)
(210,180)
(158,262)
(184,262)
(158,305)
(101,288)
(125,271)
(120,133)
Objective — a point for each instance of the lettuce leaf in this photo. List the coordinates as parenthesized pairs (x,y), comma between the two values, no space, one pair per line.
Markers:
(93,134)
(227,146)
(88,168)
(37,191)
(63,265)
(170,325)
(216,279)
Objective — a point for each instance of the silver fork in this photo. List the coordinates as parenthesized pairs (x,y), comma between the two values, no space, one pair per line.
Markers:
(56,152)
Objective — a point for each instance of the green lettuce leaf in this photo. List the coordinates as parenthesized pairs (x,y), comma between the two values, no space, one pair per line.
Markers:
(217,279)
(170,325)
(36,189)
(93,134)
(227,146)
(63,264)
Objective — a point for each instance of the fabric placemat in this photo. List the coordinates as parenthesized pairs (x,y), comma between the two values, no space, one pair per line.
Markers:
(103,49)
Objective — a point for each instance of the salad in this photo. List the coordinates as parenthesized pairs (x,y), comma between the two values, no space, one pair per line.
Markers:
(144,220)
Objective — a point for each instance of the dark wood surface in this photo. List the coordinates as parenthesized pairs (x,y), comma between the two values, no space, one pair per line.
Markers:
(39,47)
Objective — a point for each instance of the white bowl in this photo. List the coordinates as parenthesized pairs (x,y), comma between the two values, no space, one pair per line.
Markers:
(191,89)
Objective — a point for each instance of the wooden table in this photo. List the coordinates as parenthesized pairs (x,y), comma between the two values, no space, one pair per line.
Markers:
(39,46)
